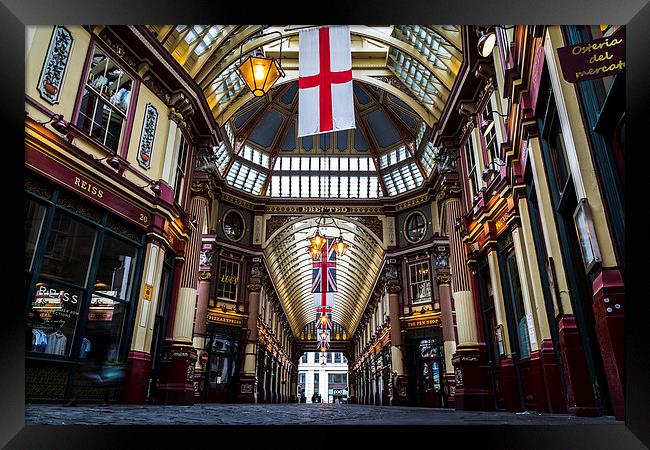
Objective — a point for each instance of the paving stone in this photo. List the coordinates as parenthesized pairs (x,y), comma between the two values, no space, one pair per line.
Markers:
(295,414)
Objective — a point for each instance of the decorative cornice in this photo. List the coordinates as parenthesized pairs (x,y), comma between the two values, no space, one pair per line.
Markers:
(237,201)
(412,202)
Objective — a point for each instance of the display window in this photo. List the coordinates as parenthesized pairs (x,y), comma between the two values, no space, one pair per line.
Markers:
(80,268)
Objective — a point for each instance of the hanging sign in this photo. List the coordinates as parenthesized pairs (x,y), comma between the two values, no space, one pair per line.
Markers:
(595,59)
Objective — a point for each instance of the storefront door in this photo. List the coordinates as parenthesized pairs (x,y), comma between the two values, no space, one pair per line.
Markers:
(426,361)
(223,363)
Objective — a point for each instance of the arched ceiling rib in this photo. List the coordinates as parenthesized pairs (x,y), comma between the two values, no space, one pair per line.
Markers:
(290,267)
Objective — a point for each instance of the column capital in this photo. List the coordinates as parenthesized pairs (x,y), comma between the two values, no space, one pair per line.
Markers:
(393,287)
(449,191)
(205,275)
(202,188)
(443,279)
(254,286)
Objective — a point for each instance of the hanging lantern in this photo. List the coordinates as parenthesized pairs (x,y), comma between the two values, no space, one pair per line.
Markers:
(340,247)
(318,241)
(260,73)
(315,254)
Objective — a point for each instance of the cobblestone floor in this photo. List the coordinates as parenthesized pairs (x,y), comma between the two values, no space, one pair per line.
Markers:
(286,414)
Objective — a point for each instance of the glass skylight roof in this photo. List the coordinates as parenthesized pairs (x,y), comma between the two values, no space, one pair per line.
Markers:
(246,178)
(402,179)
(427,158)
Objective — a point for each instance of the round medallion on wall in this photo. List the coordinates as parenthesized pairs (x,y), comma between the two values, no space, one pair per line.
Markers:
(233,225)
(415,227)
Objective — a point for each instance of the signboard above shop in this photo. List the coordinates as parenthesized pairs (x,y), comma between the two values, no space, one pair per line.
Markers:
(595,59)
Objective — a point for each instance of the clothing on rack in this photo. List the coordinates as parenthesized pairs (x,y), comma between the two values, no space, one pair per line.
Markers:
(56,343)
(85,348)
(39,340)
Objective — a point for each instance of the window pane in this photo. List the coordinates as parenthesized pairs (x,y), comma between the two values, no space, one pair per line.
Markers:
(104,329)
(116,267)
(35,214)
(68,250)
(53,318)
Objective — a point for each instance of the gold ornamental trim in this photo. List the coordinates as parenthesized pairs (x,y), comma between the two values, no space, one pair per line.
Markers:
(202,188)
(443,279)
(216,316)
(205,276)
(423,321)
(254,287)
(412,202)
(393,288)
(237,201)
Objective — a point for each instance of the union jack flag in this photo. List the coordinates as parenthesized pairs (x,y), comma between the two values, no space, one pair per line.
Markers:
(329,264)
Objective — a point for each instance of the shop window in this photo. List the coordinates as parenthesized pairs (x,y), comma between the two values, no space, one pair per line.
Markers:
(105,100)
(34,218)
(115,271)
(337,378)
(66,308)
(517,304)
(68,250)
(181,163)
(420,283)
(316,356)
(557,153)
(303,359)
(228,278)
(337,357)
(329,357)
(301,378)
(53,317)
(316,382)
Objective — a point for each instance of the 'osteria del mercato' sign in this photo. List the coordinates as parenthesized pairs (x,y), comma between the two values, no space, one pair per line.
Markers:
(595,59)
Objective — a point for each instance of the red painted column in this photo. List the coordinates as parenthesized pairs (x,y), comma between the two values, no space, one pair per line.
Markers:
(608,306)
(580,394)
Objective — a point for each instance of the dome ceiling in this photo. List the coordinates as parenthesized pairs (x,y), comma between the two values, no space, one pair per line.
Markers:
(402,74)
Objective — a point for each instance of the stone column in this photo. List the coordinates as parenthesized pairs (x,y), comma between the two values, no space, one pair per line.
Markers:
(508,390)
(397,358)
(443,280)
(177,365)
(247,392)
(198,339)
(138,362)
(473,385)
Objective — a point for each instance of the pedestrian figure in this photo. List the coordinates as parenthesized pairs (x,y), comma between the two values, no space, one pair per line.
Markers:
(95,366)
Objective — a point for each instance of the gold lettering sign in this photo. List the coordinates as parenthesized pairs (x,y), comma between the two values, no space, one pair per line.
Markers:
(421,323)
(320,209)
(216,318)
(88,187)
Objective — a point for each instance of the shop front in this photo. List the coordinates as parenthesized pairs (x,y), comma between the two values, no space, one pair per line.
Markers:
(82,270)
(223,347)
(425,360)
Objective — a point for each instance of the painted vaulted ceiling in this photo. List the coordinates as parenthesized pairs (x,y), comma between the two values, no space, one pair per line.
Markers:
(403,76)
(402,79)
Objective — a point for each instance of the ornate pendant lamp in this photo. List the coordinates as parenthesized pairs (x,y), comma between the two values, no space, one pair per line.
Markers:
(258,72)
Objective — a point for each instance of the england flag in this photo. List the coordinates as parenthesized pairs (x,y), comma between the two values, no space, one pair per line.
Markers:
(325,101)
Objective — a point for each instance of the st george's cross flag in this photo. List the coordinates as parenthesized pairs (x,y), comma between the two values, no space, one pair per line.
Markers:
(325,101)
